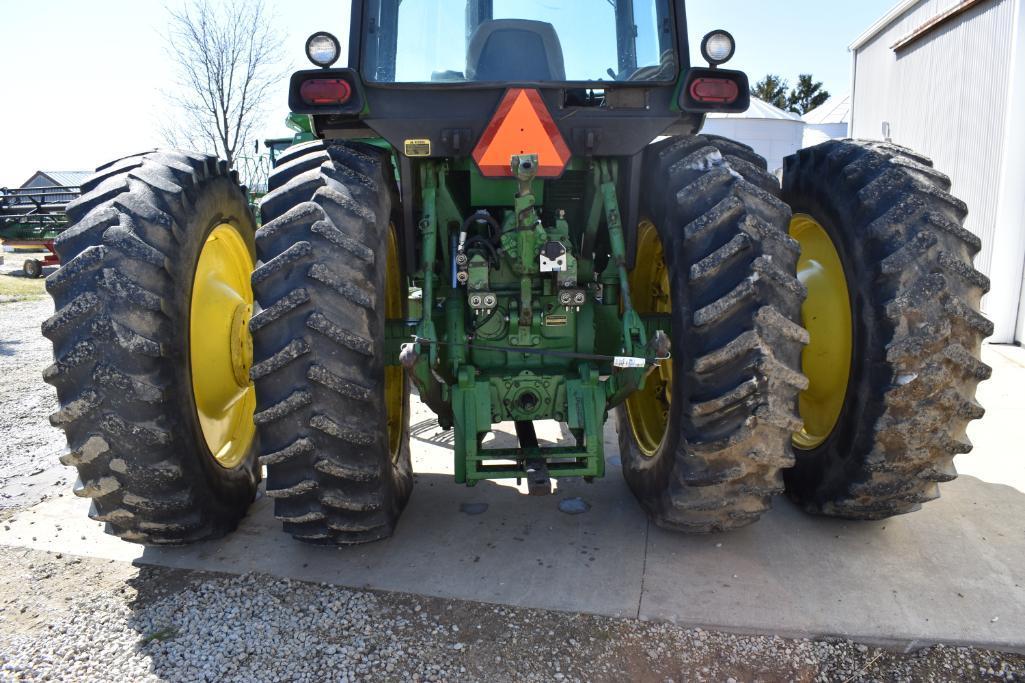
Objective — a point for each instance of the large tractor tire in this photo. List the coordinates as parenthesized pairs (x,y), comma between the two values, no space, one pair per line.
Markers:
(896,332)
(704,444)
(333,418)
(151,347)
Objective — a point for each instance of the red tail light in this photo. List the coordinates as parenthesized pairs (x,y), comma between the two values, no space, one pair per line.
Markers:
(714,90)
(322,91)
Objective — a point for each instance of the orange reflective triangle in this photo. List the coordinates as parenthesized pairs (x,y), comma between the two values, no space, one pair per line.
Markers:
(522,125)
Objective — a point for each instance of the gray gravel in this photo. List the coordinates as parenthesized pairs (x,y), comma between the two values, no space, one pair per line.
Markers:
(95,620)
(29,446)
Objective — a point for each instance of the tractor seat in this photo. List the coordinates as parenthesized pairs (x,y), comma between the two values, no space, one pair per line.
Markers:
(515,50)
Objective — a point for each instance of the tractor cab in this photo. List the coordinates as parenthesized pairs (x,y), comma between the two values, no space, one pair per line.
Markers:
(431,41)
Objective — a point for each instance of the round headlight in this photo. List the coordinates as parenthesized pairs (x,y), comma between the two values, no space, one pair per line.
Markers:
(718,47)
(323,49)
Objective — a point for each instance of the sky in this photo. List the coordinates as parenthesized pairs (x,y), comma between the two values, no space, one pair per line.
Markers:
(84,82)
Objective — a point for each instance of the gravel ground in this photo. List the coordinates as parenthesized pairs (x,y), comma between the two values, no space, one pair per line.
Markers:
(95,620)
(29,446)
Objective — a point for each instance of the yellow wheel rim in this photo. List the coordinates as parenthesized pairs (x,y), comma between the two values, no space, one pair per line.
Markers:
(648,408)
(826,314)
(394,375)
(220,346)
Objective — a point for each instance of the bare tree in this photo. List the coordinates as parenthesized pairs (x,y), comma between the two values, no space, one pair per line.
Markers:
(227,57)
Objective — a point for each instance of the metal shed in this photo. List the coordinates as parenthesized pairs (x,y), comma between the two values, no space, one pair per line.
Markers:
(947,78)
(773,133)
(41,179)
(829,121)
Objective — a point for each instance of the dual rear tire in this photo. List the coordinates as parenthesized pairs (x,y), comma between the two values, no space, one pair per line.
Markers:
(333,419)
(157,373)
(915,330)
(727,283)
(163,460)
(862,417)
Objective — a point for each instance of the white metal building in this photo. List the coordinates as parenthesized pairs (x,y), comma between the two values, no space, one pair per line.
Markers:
(775,134)
(947,78)
(829,121)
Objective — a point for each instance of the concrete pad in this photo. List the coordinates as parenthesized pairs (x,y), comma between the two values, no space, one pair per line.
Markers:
(999,455)
(952,573)
(521,551)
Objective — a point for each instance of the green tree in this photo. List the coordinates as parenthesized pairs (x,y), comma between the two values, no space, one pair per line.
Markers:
(807,95)
(772,89)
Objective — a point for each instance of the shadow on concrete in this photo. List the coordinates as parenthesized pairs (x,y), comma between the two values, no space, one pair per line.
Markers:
(520,550)
(429,431)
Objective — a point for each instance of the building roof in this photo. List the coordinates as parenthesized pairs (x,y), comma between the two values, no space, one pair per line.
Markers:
(834,110)
(61,178)
(760,109)
(883,23)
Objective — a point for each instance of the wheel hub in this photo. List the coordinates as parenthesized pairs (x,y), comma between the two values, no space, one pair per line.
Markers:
(241,344)
(221,347)
(648,408)
(826,314)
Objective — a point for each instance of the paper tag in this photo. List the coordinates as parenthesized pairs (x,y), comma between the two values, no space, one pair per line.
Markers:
(628,362)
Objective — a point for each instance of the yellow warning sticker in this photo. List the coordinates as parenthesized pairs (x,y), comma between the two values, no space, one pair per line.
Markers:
(417,148)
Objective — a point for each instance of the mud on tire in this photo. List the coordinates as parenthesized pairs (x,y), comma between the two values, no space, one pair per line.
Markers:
(319,346)
(121,348)
(916,322)
(736,340)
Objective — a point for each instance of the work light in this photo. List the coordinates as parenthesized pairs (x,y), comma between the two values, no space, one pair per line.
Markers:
(718,47)
(323,49)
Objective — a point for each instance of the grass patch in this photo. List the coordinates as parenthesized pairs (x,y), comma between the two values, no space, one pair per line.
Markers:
(20,288)
(14,286)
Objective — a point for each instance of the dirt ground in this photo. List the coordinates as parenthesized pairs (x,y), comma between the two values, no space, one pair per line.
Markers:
(29,446)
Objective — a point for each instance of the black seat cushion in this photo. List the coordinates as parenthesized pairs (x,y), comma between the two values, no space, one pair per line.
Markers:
(515,50)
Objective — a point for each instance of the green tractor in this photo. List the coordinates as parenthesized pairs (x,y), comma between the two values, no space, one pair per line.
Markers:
(577,250)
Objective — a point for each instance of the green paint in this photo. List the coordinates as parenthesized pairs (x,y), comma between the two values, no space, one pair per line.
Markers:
(475,364)
(499,376)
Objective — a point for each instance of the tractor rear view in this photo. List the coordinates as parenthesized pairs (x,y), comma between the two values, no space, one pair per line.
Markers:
(579,253)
